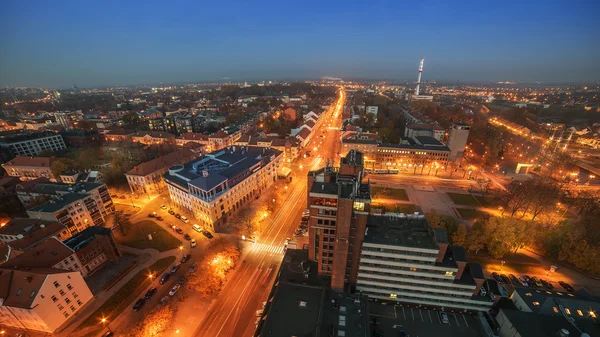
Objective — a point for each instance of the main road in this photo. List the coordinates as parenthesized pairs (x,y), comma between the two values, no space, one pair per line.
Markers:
(233,312)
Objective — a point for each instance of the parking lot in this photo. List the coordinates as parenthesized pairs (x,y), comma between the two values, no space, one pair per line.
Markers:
(420,322)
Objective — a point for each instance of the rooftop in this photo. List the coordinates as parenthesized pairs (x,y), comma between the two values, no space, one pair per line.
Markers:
(8,137)
(19,287)
(86,236)
(398,231)
(45,255)
(25,161)
(529,324)
(58,203)
(542,301)
(163,162)
(31,230)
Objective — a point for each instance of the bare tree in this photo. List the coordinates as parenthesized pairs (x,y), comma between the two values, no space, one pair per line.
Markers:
(122,221)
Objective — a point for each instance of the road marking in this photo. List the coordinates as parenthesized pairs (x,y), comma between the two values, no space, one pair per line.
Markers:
(429,313)
(413,314)
(439,319)
(395,315)
(465,318)
(456,319)
(403,313)
(421,313)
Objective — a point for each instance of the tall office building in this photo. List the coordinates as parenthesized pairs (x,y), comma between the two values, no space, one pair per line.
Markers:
(339,205)
(457,139)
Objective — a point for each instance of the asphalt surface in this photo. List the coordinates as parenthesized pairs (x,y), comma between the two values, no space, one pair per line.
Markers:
(233,312)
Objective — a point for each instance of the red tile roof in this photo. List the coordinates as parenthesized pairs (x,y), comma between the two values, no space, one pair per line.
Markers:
(304,133)
(24,161)
(193,136)
(174,158)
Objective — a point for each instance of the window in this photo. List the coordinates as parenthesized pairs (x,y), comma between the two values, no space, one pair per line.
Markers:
(33,294)
(78,302)
(73,308)
(66,314)
(54,299)
(61,292)
(449,273)
(555,309)
(67,300)
(75,295)
(60,307)
(593,314)
(69,286)
(579,312)
(536,303)
(19,291)
(413,269)
(56,284)
(567,311)
(393,295)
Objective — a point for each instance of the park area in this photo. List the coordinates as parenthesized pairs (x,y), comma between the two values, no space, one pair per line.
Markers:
(137,237)
(395,207)
(471,213)
(389,193)
(464,199)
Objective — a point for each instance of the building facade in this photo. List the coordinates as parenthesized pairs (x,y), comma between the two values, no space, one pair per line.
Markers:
(457,140)
(44,302)
(429,130)
(31,143)
(219,184)
(94,247)
(339,205)
(30,168)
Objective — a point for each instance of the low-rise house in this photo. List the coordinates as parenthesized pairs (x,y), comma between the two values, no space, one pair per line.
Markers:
(94,247)
(153,137)
(23,233)
(30,168)
(119,135)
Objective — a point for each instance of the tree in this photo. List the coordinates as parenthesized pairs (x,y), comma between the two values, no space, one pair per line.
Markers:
(61,165)
(88,157)
(499,236)
(209,278)
(122,221)
(459,237)
(155,322)
(433,218)
(484,185)
(476,238)
(130,118)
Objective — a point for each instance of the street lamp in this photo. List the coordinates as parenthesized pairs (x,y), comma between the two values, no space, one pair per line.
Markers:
(105,323)
(181,249)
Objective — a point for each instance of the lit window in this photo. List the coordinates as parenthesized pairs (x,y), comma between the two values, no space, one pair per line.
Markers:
(555,309)
(528,294)
(536,303)
(393,295)
(449,273)
(593,314)
(413,269)
(579,313)
(567,311)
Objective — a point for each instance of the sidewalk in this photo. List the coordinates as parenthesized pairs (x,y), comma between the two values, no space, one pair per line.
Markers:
(148,258)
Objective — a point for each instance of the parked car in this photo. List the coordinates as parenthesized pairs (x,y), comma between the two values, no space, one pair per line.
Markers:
(566,286)
(257,320)
(444,317)
(497,277)
(159,218)
(174,289)
(549,285)
(529,281)
(185,258)
(259,312)
(537,282)
(151,215)
(505,279)
(138,304)
(163,206)
(197,228)
(305,217)
(172,212)
(181,280)
(179,231)
(175,267)
(207,234)
(164,300)
(164,278)
(187,237)
(514,280)
(193,267)
(184,219)
(193,243)
(150,293)
(177,215)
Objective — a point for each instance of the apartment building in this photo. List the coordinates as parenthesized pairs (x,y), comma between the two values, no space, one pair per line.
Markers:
(429,130)
(192,138)
(50,253)
(222,139)
(339,205)
(404,260)
(119,135)
(30,168)
(86,204)
(414,155)
(153,137)
(457,140)
(147,177)
(41,299)
(220,183)
(31,143)
(290,147)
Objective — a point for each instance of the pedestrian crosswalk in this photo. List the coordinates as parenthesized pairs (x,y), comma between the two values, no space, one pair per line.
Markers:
(263,247)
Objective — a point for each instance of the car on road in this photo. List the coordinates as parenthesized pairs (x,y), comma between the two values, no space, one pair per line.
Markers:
(184,219)
(164,278)
(164,300)
(174,289)
(175,267)
(444,317)
(514,280)
(122,197)
(172,212)
(566,286)
(523,281)
(197,228)
(177,215)
(187,237)
(536,282)
(193,243)
(138,304)
(185,258)
(150,293)
(193,267)
(249,238)
(529,281)
(151,215)
(547,284)
(181,280)
(159,218)
(163,206)
(179,230)
(207,234)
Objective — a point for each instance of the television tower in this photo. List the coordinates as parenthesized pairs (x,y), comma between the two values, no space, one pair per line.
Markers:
(419,79)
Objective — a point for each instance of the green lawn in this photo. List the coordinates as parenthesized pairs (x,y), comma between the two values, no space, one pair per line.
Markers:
(137,237)
(463,199)
(120,300)
(396,208)
(390,193)
(469,213)
(490,201)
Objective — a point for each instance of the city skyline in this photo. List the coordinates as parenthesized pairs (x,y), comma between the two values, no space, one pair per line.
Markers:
(108,43)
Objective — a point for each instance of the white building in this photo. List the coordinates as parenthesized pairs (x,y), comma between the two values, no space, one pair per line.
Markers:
(32,143)
(41,299)
(457,140)
(217,185)
(373,109)
(404,260)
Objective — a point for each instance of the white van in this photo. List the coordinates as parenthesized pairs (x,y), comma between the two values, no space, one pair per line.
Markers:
(184,219)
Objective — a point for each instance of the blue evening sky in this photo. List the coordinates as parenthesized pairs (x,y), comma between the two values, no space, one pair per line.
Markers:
(59,43)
